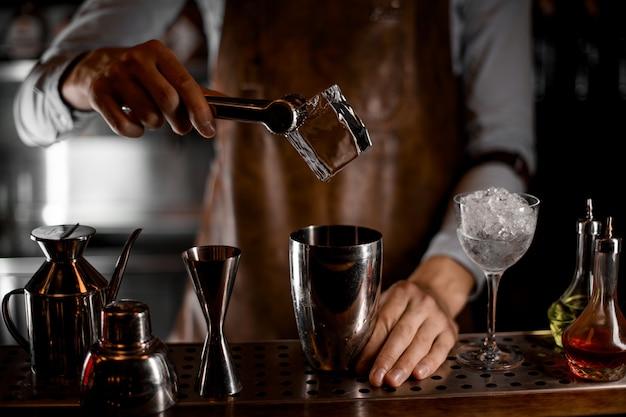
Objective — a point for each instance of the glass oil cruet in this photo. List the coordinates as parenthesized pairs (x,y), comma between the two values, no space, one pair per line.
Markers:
(595,343)
(573,301)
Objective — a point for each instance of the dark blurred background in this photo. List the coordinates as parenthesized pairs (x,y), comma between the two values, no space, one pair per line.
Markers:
(580,91)
(157,182)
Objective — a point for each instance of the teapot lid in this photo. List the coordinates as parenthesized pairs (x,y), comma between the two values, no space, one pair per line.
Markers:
(62,232)
(65,271)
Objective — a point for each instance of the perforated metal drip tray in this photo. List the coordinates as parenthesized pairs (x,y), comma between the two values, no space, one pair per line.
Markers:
(277,372)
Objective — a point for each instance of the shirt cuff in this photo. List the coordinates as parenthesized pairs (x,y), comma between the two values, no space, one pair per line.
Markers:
(48,103)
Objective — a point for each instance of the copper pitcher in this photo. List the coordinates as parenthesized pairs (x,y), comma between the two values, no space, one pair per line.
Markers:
(63,302)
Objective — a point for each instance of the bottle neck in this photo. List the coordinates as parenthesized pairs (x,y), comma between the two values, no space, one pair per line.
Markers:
(604,288)
(583,273)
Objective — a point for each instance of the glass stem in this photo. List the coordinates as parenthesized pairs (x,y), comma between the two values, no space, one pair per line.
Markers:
(489,345)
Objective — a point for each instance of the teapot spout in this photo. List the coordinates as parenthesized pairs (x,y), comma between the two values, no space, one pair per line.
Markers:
(120,266)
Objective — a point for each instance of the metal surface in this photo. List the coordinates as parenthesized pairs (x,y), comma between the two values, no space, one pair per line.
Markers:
(120,266)
(62,302)
(279,116)
(335,275)
(277,372)
(128,372)
(212,270)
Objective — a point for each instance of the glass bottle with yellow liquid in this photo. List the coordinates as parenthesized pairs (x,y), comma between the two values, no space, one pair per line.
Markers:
(573,301)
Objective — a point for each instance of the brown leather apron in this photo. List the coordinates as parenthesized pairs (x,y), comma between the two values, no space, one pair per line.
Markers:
(393,65)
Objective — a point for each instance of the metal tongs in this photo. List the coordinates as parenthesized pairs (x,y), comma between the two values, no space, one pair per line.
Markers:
(281,116)
(324,129)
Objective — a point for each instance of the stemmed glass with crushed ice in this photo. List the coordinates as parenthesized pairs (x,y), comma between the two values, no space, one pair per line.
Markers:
(495,228)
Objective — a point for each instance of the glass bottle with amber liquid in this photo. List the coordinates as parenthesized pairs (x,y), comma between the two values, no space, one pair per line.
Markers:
(595,343)
(573,301)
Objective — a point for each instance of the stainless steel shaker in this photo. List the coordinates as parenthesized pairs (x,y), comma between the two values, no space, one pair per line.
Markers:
(335,273)
(128,372)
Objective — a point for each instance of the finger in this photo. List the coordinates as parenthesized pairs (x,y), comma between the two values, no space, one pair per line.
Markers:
(155,99)
(138,106)
(385,321)
(406,344)
(192,107)
(114,88)
(429,348)
(436,356)
(417,353)
(399,340)
(397,323)
(121,122)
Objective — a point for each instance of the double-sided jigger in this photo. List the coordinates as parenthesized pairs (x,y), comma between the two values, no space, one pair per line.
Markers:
(212,270)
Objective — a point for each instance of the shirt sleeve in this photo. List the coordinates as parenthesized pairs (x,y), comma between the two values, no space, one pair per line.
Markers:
(491,45)
(41,116)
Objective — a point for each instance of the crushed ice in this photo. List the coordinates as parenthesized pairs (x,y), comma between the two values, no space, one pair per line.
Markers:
(496,213)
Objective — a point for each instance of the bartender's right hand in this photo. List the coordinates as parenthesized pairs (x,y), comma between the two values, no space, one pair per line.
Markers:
(138,88)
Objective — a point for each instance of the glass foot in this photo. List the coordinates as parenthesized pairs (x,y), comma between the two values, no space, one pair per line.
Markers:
(477,356)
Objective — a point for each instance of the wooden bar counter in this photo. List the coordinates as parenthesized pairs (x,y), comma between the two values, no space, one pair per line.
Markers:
(277,381)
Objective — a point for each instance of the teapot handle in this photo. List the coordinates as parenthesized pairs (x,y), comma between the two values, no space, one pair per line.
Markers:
(9,322)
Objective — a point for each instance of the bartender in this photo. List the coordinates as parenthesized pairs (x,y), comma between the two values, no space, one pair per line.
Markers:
(443,88)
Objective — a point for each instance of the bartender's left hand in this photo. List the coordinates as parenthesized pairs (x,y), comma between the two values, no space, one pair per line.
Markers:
(416,329)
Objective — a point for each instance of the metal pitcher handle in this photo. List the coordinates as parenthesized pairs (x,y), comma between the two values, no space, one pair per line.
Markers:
(9,322)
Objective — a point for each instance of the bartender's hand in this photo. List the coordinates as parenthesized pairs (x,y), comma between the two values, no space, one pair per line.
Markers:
(146,79)
(416,330)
